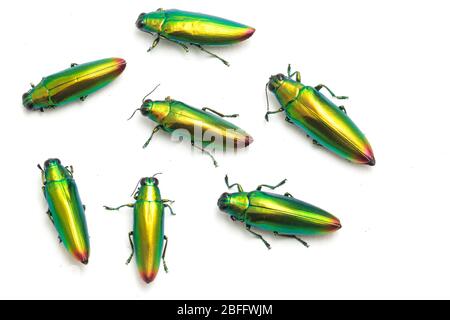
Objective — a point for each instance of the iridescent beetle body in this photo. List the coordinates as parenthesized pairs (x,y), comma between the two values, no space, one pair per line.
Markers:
(201,127)
(196,29)
(281,214)
(66,210)
(327,124)
(147,237)
(77,82)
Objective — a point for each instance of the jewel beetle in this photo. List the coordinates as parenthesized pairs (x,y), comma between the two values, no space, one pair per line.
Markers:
(65,208)
(202,127)
(281,214)
(189,28)
(76,82)
(327,124)
(147,237)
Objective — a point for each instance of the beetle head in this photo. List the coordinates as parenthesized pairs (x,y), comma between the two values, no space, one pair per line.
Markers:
(51,162)
(234,204)
(276,81)
(146,107)
(27,101)
(140,22)
(224,201)
(150,22)
(152,181)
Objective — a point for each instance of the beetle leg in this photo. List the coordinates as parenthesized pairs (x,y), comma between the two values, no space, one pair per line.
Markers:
(130,205)
(240,189)
(185,47)
(259,236)
(289,120)
(170,209)
(207,152)
(164,254)
(157,128)
(302,241)
(317,143)
(297,74)
(42,174)
(287,194)
(342,108)
(155,43)
(271,187)
(212,54)
(293,236)
(221,114)
(132,247)
(41,109)
(83,98)
(273,112)
(50,216)
(320,86)
(73,65)
(70,169)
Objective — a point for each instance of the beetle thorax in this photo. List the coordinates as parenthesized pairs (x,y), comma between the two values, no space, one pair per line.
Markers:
(149,193)
(159,110)
(56,172)
(288,91)
(236,204)
(153,22)
(39,95)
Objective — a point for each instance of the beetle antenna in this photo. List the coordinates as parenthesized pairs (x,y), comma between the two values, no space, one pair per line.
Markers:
(156,174)
(143,99)
(267,96)
(134,113)
(137,185)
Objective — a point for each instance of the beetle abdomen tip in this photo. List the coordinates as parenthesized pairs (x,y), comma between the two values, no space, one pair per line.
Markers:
(121,64)
(248,140)
(83,257)
(249,33)
(148,277)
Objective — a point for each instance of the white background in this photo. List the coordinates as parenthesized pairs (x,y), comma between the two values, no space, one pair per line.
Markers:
(390,57)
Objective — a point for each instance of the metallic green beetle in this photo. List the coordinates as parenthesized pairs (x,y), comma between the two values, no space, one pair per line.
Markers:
(200,126)
(72,84)
(197,29)
(65,208)
(148,229)
(327,124)
(283,215)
